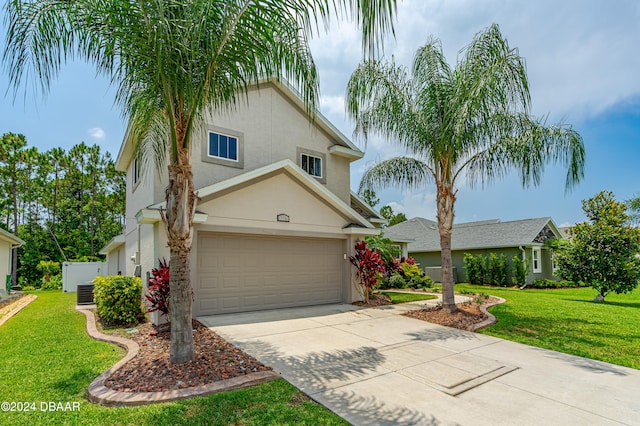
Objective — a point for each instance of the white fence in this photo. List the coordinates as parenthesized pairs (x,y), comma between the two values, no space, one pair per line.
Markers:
(74,273)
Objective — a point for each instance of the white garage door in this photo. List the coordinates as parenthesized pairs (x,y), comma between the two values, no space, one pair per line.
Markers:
(238,273)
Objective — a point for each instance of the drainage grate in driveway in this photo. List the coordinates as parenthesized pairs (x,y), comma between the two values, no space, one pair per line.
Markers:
(457,373)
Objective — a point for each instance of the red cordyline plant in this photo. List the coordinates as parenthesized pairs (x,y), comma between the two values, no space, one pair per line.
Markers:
(158,295)
(369,266)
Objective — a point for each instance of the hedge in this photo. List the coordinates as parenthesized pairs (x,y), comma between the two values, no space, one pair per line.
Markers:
(118,299)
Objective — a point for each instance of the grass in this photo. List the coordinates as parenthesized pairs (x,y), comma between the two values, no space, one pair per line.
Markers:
(566,320)
(397,297)
(46,356)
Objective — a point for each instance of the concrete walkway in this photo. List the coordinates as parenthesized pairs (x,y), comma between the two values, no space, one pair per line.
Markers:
(375,367)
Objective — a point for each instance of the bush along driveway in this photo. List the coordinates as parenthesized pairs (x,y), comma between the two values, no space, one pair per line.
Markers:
(48,361)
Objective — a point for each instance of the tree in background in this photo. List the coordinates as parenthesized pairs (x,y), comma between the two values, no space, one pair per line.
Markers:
(369,197)
(633,205)
(392,218)
(63,205)
(603,252)
(172,62)
(471,121)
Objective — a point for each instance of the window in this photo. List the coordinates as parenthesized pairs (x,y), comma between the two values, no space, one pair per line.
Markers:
(554,263)
(136,170)
(311,164)
(223,146)
(536,259)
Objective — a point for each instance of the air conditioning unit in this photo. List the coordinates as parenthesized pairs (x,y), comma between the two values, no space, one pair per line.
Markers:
(85,294)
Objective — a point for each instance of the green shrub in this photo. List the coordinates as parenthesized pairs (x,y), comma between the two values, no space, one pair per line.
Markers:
(397,281)
(48,269)
(55,283)
(421,282)
(414,275)
(474,267)
(491,269)
(546,283)
(28,288)
(499,269)
(519,271)
(118,299)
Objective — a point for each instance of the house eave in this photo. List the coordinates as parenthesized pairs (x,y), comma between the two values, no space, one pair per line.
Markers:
(348,153)
(151,215)
(507,246)
(11,239)
(361,231)
(113,244)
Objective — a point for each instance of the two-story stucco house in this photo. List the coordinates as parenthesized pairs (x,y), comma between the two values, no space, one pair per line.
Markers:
(276,219)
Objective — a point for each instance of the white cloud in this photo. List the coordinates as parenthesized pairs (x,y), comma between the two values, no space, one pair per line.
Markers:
(97,133)
(579,53)
(421,203)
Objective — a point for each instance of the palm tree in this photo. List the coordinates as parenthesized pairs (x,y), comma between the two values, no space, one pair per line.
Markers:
(171,61)
(472,121)
(633,204)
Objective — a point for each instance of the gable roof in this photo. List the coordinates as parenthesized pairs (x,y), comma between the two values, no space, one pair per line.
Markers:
(344,147)
(368,212)
(358,222)
(10,238)
(424,235)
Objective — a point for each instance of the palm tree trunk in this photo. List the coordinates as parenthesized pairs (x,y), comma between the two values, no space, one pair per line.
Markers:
(181,203)
(445,202)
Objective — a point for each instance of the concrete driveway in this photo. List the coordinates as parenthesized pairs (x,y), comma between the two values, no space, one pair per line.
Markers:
(375,366)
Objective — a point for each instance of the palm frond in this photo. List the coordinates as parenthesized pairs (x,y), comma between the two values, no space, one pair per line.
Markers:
(406,172)
(528,148)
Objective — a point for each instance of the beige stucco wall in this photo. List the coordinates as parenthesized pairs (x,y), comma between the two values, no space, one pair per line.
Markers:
(272,129)
(257,205)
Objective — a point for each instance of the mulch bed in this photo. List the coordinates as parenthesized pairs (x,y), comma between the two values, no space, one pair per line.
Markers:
(467,315)
(376,299)
(151,371)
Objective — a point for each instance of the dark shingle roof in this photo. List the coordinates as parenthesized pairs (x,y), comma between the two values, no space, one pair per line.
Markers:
(471,235)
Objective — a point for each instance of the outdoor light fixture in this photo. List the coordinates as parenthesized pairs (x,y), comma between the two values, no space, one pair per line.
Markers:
(283,217)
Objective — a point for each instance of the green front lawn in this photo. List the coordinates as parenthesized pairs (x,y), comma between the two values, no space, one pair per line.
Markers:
(566,320)
(46,356)
(397,297)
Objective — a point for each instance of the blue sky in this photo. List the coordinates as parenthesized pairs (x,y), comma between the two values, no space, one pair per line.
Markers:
(583,70)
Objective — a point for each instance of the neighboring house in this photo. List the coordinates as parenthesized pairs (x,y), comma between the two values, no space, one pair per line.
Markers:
(8,242)
(276,220)
(523,238)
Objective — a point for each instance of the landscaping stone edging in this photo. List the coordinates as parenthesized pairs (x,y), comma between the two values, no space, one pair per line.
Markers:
(19,306)
(490,318)
(98,393)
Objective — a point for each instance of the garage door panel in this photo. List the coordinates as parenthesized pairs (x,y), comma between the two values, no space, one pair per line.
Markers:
(240,273)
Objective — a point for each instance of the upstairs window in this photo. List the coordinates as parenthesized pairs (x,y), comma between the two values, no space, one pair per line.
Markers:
(311,164)
(136,170)
(223,146)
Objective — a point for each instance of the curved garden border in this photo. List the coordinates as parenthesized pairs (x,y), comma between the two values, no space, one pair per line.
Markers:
(491,319)
(98,393)
(21,303)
